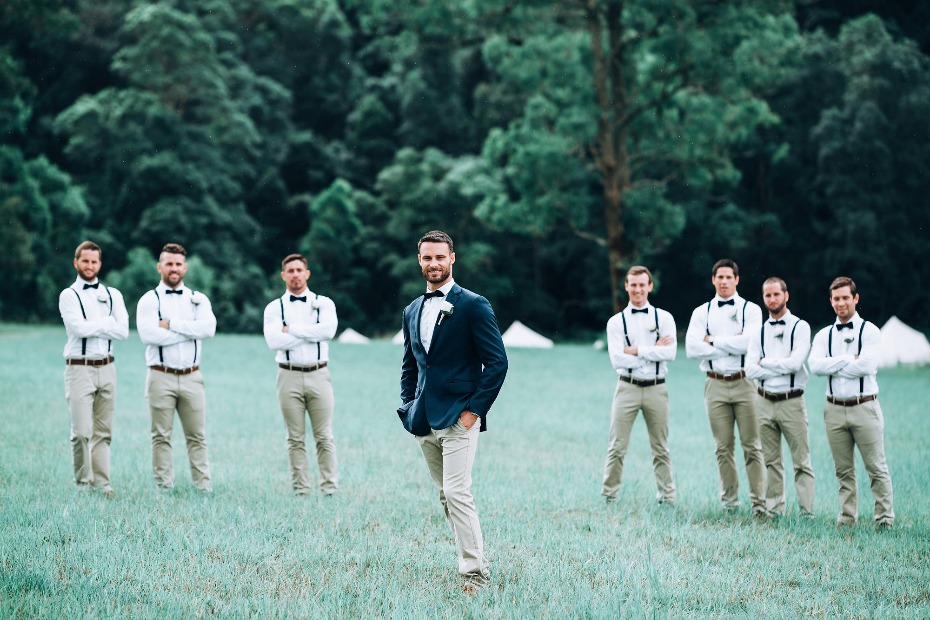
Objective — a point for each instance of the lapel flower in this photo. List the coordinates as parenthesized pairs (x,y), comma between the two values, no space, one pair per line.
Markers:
(779,335)
(849,340)
(314,303)
(445,309)
(733,317)
(195,298)
(102,296)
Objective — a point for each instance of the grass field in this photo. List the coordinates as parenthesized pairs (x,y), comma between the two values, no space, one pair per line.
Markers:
(380,547)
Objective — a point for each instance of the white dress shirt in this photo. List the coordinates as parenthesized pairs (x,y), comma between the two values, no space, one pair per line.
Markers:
(652,360)
(311,324)
(191,319)
(730,327)
(773,361)
(849,377)
(104,318)
(431,307)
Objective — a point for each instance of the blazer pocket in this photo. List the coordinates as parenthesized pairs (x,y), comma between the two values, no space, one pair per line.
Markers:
(461,387)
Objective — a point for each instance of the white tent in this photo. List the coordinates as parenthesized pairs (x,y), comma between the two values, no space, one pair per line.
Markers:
(519,335)
(398,337)
(350,336)
(903,345)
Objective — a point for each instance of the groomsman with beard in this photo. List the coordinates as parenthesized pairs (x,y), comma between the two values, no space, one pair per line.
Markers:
(94,315)
(776,360)
(453,369)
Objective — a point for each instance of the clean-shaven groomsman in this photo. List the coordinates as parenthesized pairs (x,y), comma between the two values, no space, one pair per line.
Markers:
(453,369)
(299,326)
(641,341)
(173,320)
(94,315)
(847,352)
(776,362)
(718,336)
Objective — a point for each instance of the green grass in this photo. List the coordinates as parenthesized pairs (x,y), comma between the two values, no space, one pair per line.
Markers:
(381,548)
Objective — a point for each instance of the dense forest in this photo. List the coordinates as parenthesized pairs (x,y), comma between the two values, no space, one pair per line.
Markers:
(558,143)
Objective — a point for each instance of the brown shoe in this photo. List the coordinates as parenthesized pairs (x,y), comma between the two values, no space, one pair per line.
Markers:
(108,492)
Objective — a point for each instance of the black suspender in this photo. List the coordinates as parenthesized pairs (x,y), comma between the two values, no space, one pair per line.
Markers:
(710,363)
(858,352)
(742,358)
(626,336)
(319,354)
(161,353)
(84,314)
(791,347)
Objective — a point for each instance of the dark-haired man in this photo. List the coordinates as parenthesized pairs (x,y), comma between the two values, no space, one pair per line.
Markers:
(299,326)
(94,315)
(453,369)
(718,336)
(173,321)
(847,352)
(641,342)
(775,361)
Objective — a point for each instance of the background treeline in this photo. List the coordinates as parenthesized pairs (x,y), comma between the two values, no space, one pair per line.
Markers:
(558,142)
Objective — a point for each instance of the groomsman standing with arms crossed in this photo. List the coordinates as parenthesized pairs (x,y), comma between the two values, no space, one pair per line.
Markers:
(847,354)
(453,369)
(94,315)
(775,361)
(173,320)
(641,342)
(299,326)
(718,336)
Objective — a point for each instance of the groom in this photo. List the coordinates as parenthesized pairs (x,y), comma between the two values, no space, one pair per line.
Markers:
(454,367)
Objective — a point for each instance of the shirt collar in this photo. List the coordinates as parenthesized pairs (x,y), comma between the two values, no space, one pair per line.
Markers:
(162,287)
(80,282)
(735,297)
(787,315)
(631,307)
(855,319)
(445,288)
(304,293)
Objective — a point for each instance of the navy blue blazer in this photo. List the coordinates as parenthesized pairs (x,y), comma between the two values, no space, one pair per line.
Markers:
(464,369)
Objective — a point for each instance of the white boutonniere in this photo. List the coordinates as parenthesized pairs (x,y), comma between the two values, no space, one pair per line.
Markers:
(102,297)
(314,304)
(195,298)
(733,317)
(849,340)
(653,329)
(445,309)
(779,335)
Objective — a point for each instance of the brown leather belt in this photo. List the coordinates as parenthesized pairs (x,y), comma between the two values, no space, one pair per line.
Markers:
(733,377)
(851,402)
(176,371)
(303,368)
(83,361)
(777,396)
(642,382)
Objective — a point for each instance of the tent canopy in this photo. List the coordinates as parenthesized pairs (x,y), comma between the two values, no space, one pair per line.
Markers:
(519,335)
(350,336)
(902,344)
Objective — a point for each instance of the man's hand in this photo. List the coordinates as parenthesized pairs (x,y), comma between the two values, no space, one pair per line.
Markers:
(631,350)
(709,339)
(284,329)
(664,341)
(468,419)
(164,323)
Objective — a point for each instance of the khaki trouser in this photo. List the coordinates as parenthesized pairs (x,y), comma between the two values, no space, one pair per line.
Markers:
(730,402)
(450,455)
(91,395)
(788,418)
(310,392)
(166,392)
(863,426)
(628,400)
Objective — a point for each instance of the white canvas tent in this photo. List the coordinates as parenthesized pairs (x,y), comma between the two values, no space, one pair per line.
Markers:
(350,336)
(398,337)
(902,344)
(519,335)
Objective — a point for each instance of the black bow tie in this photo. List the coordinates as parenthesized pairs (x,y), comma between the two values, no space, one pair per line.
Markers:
(778,322)
(94,285)
(433,294)
(296,298)
(637,310)
(172,291)
(844,326)
(729,302)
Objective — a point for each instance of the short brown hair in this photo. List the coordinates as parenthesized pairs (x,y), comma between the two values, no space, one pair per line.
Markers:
(778,281)
(725,262)
(292,257)
(436,236)
(88,245)
(637,270)
(842,281)
(173,248)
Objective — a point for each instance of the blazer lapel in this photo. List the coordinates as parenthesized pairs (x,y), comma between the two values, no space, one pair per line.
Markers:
(415,328)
